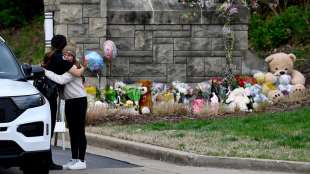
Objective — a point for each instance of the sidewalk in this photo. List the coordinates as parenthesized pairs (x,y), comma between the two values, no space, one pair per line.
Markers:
(149,166)
(189,159)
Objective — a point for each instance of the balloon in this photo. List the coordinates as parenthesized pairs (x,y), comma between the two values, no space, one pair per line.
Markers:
(94,61)
(110,50)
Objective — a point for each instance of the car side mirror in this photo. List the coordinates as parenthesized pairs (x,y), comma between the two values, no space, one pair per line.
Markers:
(32,72)
(27,69)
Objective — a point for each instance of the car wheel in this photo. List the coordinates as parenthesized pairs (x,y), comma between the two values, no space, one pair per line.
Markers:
(41,166)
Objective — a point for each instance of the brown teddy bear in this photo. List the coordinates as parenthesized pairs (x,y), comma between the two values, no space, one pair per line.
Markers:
(280,64)
(146,103)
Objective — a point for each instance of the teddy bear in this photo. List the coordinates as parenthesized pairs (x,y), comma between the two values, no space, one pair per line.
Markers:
(238,100)
(257,96)
(268,84)
(146,103)
(282,63)
(284,84)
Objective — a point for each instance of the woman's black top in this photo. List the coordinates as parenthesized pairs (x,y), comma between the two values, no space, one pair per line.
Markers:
(58,65)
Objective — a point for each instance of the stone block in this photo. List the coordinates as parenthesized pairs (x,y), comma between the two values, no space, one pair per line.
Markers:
(124,44)
(121,30)
(195,67)
(241,40)
(85,40)
(151,70)
(182,44)
(223,53)
(166,17)
(92,47)
(77,30)
(180,60)
(120,67)
(139,27)
(71,14)
(91,10)
(153,79)
(143,40)
(186,27)
(196,79)
(130,17)
(162,34)
(104,8)
(79,51)
(135,53)
(200,44)
(175,34)
(214,66)
(192,53)
(85,20)
(163,27)
(141,60)
(195,44)
(176,72)
(218,44)
(97,26)
(61,29)
(163,53)
(207,31)
(163,40)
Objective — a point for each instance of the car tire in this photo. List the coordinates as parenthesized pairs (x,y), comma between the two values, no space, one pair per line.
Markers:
(41,167)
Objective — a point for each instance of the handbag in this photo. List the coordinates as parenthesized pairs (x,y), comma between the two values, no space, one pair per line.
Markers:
(46,86)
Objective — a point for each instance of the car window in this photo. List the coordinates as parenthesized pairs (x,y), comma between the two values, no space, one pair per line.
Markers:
(9,69)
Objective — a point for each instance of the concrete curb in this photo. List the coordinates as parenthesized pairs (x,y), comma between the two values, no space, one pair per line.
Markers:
(185,158)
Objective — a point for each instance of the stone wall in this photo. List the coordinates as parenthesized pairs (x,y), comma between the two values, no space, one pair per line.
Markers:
(160,40)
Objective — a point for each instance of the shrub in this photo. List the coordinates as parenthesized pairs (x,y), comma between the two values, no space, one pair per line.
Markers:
(289,26)
(18,12)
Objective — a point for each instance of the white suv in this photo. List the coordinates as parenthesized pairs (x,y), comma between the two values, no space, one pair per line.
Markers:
(24,117)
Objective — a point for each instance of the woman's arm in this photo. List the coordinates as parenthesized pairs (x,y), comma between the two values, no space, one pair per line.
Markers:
(79,71)
(60,79)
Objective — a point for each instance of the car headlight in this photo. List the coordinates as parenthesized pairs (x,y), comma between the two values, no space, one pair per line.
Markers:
(30,101)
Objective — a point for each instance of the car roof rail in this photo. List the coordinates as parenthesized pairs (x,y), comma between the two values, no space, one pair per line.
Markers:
(1,39)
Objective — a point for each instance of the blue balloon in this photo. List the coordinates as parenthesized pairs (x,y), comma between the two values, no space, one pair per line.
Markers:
(94,61)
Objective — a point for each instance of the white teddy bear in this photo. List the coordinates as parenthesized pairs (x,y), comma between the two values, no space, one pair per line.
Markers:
(284,84)
(238,100)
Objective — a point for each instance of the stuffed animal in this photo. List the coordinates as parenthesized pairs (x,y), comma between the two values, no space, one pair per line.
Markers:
(282,63)
(257,95)
(284,84)
(214,104)
(198,105)
(238,100)
(268,84)
(146,103)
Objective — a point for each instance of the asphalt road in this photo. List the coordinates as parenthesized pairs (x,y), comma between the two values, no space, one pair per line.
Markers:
(95,163)
(109,165)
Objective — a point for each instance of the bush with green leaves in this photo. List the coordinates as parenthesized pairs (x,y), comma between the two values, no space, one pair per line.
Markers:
(288,27)
(15,13)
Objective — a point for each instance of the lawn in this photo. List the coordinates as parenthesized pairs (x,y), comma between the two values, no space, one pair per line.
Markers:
(282,135)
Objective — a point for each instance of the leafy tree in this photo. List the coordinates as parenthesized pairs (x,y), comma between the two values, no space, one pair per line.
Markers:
(15,13)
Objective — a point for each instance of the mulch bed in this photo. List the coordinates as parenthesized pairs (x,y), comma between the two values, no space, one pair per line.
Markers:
(141,119)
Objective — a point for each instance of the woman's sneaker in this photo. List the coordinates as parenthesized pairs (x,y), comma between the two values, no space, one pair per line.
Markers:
(79,165)
(70,163)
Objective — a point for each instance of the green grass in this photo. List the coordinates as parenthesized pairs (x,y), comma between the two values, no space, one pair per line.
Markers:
(27,42)
(284,136)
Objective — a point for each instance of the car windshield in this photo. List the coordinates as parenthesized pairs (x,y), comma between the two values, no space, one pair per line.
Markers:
(9,69)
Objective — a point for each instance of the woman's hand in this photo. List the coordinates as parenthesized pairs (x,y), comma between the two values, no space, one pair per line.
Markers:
(84,62)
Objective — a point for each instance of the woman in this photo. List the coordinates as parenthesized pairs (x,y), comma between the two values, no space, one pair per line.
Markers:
(75,110)
(54,62)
